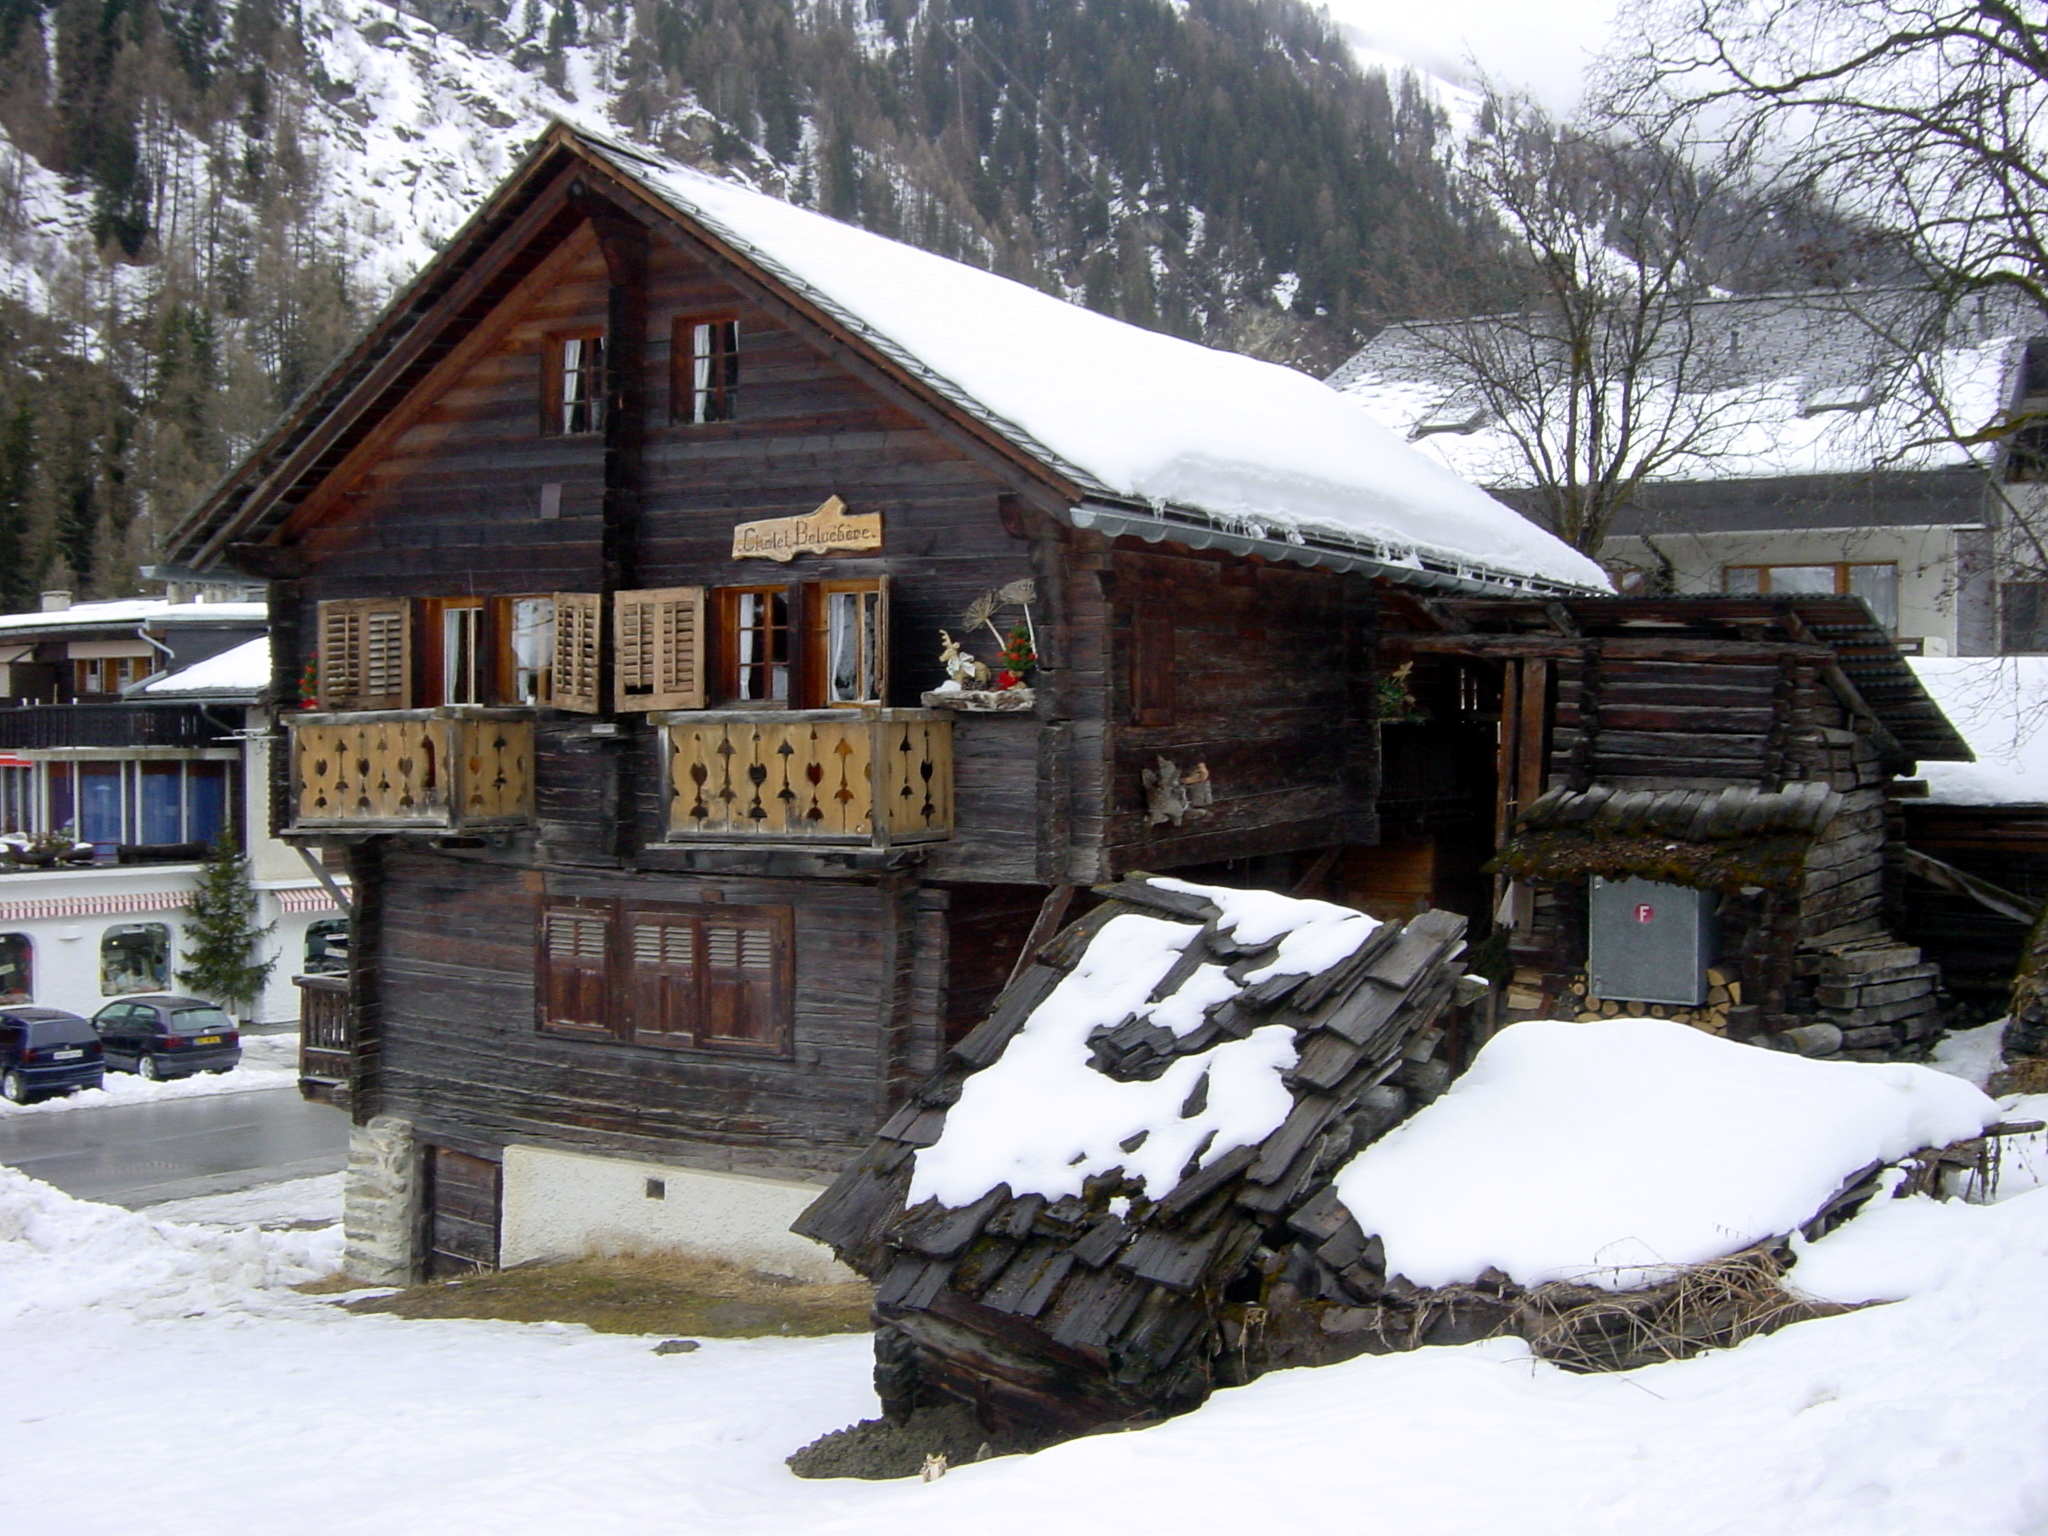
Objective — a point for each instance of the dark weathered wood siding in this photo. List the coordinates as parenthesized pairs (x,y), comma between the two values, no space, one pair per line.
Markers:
(461,1051)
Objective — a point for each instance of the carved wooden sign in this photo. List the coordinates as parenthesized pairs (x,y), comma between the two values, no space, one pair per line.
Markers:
(829,528)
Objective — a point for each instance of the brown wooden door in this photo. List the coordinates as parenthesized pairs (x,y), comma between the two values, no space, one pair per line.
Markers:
(461,1213)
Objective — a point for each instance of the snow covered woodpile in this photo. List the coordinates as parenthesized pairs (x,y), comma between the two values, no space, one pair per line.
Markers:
(1205,1135)
(1058,1219)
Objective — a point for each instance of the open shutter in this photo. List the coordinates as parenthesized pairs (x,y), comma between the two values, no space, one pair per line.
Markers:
(574,683)
(365,653)
(658,648)
(746,981)
(664,986)
(575,946)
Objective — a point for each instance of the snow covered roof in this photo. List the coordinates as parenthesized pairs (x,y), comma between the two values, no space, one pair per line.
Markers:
(241,671)
(131,613)
(2000,705)
(1144,434)
(1784,384)
(1126,413)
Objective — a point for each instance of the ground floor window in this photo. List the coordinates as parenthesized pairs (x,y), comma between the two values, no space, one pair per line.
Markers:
(135,957)
(702,977)
(326,947)
(1875,581)
(17,975)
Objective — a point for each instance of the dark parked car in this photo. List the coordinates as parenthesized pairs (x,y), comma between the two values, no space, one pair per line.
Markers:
(159,1037)
(45,1051)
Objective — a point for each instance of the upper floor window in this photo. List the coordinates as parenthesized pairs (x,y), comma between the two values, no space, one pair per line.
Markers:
(107,674)
(575,383)
(753,632)
(2026,454)
(706,385)
(2023,617)
(798,644)
(1875,581)
(398,653)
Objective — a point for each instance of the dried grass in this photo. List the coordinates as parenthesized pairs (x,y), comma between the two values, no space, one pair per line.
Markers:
(2022,1074)
(647,1293)
(1705,1306)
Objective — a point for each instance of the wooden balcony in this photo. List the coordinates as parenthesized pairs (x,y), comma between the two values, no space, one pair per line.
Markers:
(326,1049)
(860,777)
(460,769)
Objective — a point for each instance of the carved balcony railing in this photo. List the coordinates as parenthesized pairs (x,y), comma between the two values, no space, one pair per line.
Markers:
(459,769)
(862,777)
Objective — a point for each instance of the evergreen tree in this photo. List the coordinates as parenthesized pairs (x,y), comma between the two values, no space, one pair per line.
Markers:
(224,940)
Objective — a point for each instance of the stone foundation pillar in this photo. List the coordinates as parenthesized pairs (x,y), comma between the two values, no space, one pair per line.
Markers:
(380,1202)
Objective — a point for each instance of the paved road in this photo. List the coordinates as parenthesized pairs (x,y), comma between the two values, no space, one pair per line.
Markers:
(140,1154)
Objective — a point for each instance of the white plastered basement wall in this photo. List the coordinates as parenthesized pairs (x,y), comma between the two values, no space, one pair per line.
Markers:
(559,1205)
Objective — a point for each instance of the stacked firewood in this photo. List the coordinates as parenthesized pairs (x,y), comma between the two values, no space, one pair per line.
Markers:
(1062,1315)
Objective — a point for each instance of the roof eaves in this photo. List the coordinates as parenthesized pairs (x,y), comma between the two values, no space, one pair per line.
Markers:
(1318,548)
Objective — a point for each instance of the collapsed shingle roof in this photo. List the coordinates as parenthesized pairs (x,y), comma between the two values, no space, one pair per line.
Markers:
(1103,1303)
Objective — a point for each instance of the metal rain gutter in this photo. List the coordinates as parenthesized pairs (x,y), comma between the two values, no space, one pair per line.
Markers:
(1315,548)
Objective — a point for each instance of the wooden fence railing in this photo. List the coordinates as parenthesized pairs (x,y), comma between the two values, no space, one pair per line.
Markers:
(869,776)
(413,769)
(326,1046)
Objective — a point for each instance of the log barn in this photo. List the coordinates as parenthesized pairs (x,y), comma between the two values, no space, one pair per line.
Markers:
(721,644)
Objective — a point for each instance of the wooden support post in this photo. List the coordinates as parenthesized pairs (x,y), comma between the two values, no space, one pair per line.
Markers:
(1052,912)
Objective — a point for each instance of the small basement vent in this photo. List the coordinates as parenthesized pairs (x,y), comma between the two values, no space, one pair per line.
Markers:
(1648,942)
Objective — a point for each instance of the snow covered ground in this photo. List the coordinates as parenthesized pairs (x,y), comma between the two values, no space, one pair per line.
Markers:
(268,1061)
(249,1407)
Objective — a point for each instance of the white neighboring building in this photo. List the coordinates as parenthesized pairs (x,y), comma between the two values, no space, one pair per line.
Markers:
(137,727)
(1818,474)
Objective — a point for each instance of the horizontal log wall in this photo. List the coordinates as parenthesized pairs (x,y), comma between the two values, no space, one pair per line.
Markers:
(1265,661)
(461,1049)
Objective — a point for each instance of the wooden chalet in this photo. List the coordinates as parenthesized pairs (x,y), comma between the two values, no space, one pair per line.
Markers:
(615,561)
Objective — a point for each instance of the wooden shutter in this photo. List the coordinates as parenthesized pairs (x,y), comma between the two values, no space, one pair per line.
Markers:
(1151,667)
(365,653)
(663,950)
(658,648)
(746,980)
(573,680)
(575,947)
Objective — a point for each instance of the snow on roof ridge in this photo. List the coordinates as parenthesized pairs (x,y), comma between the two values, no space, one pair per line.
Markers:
(1130,415)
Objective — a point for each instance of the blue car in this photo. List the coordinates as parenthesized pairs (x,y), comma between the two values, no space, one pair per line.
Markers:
(45,1051)
(161,1036)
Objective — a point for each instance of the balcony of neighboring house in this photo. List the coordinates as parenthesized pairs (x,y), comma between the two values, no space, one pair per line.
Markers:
(113,726)
(866,777)
(450,770)
(326,1047)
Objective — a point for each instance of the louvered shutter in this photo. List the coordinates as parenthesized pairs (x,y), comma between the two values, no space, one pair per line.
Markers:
(365,653)
(746,981)
(664,989)
(658,648)
(575,948)
(573,680)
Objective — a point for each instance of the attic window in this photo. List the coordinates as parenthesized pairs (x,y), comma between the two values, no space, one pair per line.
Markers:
(1461,414)
(706,385)
(575,383)
(1824,398)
